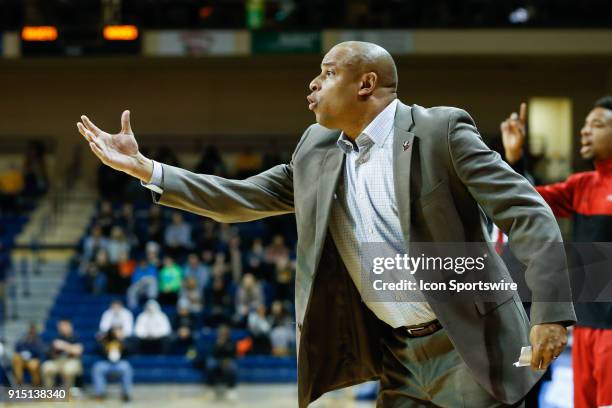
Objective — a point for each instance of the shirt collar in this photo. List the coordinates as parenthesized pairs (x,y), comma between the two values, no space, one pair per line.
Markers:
(378,129)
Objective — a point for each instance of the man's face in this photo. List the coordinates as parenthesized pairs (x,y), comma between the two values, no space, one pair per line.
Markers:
(334,92)
(64,327)
(596,135)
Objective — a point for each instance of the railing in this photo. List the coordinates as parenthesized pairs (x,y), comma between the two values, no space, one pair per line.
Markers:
(21,269)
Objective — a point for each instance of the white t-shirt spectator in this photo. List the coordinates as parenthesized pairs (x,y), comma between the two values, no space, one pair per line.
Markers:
(152,323)
(114,317)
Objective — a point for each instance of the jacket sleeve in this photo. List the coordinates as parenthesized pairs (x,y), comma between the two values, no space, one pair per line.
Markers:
(519,211)
(224,200)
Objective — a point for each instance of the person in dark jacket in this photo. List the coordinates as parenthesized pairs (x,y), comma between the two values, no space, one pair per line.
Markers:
(221,364)
(184,325)
(29,354)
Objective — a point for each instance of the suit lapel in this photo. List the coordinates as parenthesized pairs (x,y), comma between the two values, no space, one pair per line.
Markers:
(332,168)
(403,142)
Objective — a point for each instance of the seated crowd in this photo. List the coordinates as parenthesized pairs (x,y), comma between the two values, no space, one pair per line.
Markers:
(177,279)
(204,271)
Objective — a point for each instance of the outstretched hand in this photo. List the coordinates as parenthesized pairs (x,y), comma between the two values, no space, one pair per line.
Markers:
(513,134)
(119,151)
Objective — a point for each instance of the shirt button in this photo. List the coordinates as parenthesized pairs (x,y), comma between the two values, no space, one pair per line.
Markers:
(371,231)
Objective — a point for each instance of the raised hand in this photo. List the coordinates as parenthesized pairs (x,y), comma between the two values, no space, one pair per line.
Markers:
(119,151)
(513,134)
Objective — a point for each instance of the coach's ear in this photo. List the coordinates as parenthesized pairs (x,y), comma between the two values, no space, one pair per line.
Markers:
(368,84)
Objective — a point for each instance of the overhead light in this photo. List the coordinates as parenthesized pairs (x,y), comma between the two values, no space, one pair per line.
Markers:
(120,32)
(39,33)
(519,16)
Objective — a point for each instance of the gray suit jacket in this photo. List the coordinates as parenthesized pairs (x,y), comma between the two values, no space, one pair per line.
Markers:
(445,176)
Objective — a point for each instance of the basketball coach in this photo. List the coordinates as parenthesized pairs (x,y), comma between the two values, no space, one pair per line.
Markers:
(375,170)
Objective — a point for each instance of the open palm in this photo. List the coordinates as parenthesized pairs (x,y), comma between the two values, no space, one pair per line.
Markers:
(119,151)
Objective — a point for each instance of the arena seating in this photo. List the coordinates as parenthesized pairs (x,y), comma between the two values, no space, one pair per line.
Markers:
(84,310)
(10,227)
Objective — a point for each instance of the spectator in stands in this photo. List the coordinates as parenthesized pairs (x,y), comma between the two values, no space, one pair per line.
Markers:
(177,237)
(98,272)
(221,364)
(152,329)
(64,357)
(113,349)
(276,250)
(29,353)
(197,270)
(226,231)
(282,333)
(207,238)
(35,170)
(93,243)
(152,253)
(208,258)
(117,244)
(220,266)
(284,279)
(117,316)
(155,224)
(218,302)
(248,298)
(105,218)
(126,267)
(191,295)
(170,281)
(235,258)
(259,329)
(184,328)
(255,260)
(144,281)
(127,221)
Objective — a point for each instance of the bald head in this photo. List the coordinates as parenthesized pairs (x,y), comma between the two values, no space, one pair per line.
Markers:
(357,81)
(363,57)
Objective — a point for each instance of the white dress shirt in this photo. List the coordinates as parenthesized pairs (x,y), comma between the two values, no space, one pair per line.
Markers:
(365,211)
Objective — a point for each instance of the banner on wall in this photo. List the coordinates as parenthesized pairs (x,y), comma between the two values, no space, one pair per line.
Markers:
(193,43)
(293,42)
(397,42)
